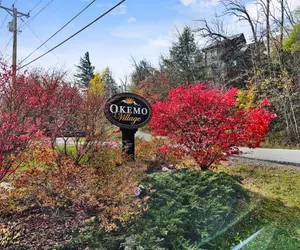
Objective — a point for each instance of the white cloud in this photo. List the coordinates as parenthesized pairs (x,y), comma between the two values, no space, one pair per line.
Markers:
(160,42)
(199,3)
(256,13)
(188,2)
(275,6)
(131,19)
(209,3)
(121,10)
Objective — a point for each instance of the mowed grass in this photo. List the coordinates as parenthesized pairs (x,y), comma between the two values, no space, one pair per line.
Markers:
(270,180)
(275,205)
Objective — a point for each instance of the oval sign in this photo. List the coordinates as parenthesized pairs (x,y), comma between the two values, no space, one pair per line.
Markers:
(128,110)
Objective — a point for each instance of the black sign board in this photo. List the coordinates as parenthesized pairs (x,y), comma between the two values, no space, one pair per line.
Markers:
(129,112)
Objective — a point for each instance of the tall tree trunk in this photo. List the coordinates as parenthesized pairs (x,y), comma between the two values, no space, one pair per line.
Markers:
(294,118)
(288,130)
(281,22)
(268,32)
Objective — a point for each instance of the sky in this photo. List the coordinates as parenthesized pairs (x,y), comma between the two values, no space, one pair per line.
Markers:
(142,29)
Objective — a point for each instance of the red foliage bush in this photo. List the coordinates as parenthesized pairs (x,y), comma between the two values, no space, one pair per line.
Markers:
(207,123)
(30,108)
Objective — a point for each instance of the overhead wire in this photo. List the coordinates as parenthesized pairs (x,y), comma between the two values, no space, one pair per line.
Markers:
(9,13)
(58,31)
(5,47)
(4,21)
(43,44)
(76,33)
(32,18)
(35,6)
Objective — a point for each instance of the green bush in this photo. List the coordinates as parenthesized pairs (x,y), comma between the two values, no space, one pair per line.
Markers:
(184,211)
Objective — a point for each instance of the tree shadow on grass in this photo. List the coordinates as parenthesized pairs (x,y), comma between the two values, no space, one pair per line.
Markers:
(280,224)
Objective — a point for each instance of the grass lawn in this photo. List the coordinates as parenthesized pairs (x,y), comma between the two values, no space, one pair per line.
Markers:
(275,205)
(71,151)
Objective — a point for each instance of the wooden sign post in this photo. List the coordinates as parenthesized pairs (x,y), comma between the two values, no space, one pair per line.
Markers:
(129,112)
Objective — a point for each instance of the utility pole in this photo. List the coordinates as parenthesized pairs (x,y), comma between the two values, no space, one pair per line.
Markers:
(13,28)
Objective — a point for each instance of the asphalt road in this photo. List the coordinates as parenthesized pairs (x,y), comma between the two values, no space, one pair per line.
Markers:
(60,141)
(144,136)
(285,156)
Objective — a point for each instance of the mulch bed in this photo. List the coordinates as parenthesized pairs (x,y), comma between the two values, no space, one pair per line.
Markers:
(42,228)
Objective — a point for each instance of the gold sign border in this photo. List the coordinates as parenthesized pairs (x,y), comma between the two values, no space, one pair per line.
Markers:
(127,95)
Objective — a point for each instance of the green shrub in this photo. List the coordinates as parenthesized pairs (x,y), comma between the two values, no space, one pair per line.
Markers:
(184,210)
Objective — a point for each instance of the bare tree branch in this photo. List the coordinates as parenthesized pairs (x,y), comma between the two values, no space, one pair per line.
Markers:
(238,9)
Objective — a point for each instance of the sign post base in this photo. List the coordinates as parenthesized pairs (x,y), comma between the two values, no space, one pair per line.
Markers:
(128,142)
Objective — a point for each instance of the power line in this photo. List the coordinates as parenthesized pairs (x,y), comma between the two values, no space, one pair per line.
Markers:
(57,31)
(4,50)
(35,6)
(4,21)
(9,13)
(104,14)
(31,19)
(37,38)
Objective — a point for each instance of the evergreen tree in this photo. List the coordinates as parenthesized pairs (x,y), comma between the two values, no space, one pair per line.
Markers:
(184,62)
(110,86)
(85,71)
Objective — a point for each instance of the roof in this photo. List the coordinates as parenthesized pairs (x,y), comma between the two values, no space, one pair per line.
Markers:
(231,38)
(252,46)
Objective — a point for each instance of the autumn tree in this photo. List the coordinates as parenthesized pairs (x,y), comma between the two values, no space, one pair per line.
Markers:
(292,42)
(97,85)
(154,88)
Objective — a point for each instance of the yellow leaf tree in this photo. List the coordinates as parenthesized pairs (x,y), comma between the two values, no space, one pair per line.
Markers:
(97,85)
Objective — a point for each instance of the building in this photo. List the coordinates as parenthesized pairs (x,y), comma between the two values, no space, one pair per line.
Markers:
(229,60)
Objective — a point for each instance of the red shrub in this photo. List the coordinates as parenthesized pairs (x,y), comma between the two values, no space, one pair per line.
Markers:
(30,108)
(207,124)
